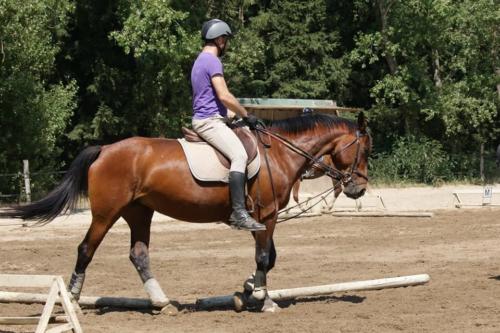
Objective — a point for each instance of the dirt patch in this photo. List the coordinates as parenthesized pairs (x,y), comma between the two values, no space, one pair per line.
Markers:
(459,249)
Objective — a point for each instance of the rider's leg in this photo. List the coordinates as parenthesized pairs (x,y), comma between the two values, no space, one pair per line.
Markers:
(240,218)
(215,131)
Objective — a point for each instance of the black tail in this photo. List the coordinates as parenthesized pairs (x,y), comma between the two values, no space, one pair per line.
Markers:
(64,197)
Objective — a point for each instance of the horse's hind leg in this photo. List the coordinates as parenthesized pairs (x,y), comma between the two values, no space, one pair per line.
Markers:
(98,229)
(138,218)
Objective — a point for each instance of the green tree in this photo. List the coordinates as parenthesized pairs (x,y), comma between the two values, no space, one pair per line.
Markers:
(287,50)
(154,33)
(439,78)
(35,105)
(132,62)
(464,58)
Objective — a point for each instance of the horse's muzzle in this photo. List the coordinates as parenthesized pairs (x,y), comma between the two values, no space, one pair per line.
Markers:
(354,191)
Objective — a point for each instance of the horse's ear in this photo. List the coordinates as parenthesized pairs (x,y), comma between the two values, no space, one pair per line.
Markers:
(362,122)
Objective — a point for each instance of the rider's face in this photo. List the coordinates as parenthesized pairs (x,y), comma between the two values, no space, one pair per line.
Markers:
(222,42)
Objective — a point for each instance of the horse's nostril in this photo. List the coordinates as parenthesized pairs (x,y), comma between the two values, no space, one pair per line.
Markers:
(362,192)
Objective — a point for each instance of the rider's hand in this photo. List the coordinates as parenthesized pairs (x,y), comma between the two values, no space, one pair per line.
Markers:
(251,121)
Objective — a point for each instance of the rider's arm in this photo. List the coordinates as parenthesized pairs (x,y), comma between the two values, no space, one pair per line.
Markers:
(226,97)
(230,114)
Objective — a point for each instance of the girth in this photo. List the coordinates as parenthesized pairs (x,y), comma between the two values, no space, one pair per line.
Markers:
(246,137)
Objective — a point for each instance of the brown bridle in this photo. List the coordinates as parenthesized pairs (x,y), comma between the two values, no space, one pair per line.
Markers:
(354,166)
(330,171)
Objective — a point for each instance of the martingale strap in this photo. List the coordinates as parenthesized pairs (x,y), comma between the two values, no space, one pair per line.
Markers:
(269,171)
(332,172)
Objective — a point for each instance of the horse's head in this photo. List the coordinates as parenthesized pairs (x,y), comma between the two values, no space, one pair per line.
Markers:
(317,136)
(350,156)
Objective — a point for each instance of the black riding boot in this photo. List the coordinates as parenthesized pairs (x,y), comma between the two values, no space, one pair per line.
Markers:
(240,219)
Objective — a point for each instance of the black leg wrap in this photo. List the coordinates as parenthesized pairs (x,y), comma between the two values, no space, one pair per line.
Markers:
(262,259)
(260,283)
(272,257)
(260,279)
(141,261)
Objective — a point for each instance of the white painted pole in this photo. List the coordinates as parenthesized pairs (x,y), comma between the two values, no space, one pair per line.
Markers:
(225,301)
(86,301)
(284,294)
(383,214)
(31,320)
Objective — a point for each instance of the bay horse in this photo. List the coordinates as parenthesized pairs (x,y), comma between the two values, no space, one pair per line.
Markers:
(134,177)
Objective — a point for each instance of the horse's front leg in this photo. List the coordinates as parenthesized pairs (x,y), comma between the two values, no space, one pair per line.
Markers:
(255,287)
(265,257)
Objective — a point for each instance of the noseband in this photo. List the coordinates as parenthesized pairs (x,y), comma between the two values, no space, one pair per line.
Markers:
(331,172)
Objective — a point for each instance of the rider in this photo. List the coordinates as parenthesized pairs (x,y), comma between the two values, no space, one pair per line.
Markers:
(211,101)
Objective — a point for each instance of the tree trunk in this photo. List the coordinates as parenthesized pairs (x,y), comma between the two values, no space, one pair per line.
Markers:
(2,51)
(241,12)
(383,11)
(437,69)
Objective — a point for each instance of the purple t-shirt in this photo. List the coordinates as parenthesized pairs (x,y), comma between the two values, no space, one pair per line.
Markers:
(205,100)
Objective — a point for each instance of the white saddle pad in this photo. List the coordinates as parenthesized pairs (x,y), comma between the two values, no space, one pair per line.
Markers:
(205,165)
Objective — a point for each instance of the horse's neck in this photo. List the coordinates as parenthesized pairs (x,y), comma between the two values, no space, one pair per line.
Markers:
(292,162)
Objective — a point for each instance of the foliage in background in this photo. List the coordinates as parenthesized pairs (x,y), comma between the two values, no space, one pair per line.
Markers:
(163,48)
(289,51)
(413,160)
(35,104)
(439,61)
(135,81)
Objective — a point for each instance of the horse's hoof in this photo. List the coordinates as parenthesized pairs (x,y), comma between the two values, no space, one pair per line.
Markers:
(239,302)
(160,304)
(270,306)
(169,309)
(327,210)
(74,297)
(259,293)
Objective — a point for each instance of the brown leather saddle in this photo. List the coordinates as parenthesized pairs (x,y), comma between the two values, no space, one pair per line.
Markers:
(244,134)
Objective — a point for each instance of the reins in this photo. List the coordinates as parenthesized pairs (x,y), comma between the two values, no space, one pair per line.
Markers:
(302,211)
(329,171)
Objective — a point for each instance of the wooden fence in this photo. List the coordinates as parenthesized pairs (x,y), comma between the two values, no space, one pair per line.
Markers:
(23,186)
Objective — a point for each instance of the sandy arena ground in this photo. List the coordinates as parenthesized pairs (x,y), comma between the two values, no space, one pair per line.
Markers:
(458,248)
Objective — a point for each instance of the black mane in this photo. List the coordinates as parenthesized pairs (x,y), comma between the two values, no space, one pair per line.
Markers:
(308,122)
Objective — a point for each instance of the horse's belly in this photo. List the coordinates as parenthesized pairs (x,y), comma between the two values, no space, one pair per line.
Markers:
(169,188)
(188,210)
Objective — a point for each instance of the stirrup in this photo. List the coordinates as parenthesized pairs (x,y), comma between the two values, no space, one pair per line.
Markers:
(245,222)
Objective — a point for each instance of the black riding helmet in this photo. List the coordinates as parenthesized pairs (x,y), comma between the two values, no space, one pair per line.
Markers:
(213,29)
